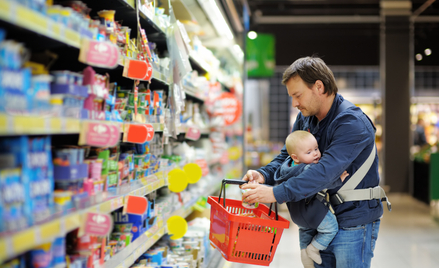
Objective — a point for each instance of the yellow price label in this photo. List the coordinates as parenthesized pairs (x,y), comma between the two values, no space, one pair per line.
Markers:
(55,125)
(73,37)
(50,230)
(4,123)
(72,125)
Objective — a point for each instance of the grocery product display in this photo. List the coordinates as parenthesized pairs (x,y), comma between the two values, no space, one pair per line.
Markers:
(103,147)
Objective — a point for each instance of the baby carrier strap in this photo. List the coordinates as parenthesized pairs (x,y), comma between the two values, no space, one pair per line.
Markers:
(347,192)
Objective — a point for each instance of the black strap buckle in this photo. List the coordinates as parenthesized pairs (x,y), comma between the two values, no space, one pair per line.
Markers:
(336,200)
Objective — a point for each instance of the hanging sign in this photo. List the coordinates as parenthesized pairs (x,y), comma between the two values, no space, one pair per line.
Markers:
(98,224)
(202,163)
(138,133)
(98,53)
(136,205)
(138,70)
(231,107)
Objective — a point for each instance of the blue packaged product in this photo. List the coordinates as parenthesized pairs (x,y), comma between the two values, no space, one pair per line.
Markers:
(14,210)
(40,93)
(2,35)
(14,85)
(140,222)
(59,252)
(41,257)
(41,184)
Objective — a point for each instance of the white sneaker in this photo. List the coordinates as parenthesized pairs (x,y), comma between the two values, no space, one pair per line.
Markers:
(314,253)
(306,260)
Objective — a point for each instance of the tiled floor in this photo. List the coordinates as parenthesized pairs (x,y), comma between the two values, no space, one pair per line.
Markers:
(408,238)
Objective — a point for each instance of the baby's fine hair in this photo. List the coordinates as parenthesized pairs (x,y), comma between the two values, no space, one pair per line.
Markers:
(294,139)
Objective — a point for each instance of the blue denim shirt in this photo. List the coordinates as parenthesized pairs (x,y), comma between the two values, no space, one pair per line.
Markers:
(345,141)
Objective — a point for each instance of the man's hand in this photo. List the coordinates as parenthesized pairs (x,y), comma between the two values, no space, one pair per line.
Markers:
(258,193)
(253,175)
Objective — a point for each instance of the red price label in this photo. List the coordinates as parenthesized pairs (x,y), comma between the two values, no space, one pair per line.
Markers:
(138,70)
(138,133)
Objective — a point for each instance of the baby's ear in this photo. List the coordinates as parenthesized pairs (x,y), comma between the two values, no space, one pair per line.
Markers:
(294,157)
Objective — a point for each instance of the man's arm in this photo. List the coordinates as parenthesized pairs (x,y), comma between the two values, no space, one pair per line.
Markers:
(349,140)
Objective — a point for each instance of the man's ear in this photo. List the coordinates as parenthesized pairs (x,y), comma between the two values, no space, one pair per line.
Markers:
(320,86)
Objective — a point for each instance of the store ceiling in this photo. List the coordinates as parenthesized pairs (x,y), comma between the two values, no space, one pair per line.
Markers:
(305,27)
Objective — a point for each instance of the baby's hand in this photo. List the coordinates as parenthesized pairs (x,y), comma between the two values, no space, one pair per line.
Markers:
(344,175)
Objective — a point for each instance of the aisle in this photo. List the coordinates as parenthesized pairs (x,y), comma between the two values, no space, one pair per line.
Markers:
(408,238)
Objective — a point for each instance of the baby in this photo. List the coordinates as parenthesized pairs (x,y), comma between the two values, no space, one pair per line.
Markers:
(314,216)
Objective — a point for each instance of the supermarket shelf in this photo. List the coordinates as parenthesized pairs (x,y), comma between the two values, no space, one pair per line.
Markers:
(20,242)
(126,12)
(34,125)
(33,21)
(38,125)
(130,254)
(191,93)
(159,78)
(198,64)
(158,127)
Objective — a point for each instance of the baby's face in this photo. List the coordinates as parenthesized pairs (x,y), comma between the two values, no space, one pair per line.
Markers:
(308,151)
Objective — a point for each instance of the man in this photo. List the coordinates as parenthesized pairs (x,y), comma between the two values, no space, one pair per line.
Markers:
(346,138)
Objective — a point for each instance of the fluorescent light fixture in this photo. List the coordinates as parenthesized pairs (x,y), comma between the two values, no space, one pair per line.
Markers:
(216,17)
(237,52)
(252,35)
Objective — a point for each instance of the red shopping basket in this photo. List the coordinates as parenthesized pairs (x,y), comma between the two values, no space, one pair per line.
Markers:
(240,238)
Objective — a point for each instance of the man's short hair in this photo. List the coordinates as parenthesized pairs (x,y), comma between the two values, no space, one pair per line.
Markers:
(294,139)
(311,69)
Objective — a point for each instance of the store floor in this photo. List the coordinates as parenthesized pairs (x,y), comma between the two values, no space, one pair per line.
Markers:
(408,238)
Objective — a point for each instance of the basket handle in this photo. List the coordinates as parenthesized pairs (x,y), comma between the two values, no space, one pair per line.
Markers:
(239,182)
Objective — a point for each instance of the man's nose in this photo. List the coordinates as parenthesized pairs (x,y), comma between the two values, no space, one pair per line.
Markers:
(294,102)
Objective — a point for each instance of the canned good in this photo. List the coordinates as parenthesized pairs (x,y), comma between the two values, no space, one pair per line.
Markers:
(142,100)
(131,98)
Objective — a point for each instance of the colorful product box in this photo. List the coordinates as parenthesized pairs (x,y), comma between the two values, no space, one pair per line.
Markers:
(33,156)
(14,86)
(14,206)
(140,222)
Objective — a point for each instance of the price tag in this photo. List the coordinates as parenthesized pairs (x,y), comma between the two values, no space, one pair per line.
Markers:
(138,133)
(99,134)
(193,133)
(203,165)
(137,70)
(98,224)
(98,53)
(136,205)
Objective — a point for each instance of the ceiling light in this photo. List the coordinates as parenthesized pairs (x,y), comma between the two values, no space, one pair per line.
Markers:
(427,52)
(252,35)
(216,18)
(418,57)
